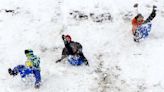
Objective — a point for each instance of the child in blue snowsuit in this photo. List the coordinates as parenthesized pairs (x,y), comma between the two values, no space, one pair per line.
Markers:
(32,66)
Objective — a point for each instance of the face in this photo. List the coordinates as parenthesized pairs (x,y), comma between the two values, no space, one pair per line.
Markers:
(68,39)
(140,18)
(28,55)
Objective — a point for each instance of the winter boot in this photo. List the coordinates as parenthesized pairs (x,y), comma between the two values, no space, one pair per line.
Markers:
(10,71)
(37,85)
(136,40)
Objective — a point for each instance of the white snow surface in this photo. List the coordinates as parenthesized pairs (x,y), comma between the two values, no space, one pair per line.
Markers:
(117,63)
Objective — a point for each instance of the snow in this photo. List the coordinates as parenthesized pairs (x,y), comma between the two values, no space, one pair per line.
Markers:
(117,64)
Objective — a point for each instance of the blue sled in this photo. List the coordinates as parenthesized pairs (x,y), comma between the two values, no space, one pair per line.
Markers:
(75,60)
(143,31)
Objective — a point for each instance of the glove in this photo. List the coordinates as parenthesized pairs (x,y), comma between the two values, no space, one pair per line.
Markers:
(86,62)
(154,6)
(63,37)
(58,61)
(135,5)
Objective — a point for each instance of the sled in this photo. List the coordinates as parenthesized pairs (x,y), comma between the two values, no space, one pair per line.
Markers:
(75,60)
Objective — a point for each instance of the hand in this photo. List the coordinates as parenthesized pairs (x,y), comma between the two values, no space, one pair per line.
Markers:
(58,61)
(63,37)
(86,63)
(135,5)
(154,6)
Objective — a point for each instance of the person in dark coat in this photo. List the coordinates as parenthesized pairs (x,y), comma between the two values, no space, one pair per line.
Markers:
(72,48)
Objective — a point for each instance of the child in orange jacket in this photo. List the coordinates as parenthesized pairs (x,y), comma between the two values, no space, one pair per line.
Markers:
(139,19)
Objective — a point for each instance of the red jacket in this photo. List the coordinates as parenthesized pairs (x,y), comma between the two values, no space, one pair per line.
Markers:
(135,24)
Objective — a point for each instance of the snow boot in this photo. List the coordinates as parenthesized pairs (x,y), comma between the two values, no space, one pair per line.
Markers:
(37,85)
(11,72)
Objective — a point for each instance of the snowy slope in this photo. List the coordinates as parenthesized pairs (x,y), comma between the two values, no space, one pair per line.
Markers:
(117,64)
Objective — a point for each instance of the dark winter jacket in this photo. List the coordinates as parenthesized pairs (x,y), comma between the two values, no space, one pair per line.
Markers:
(73,48)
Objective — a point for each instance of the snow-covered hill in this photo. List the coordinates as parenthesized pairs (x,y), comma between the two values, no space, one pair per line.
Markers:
(117,64)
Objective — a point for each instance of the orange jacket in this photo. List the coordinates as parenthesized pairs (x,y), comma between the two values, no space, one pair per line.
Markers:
(135,24)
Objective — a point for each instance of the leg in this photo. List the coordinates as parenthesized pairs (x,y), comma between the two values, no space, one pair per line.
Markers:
(84,59)
(37,78)
(136,37)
